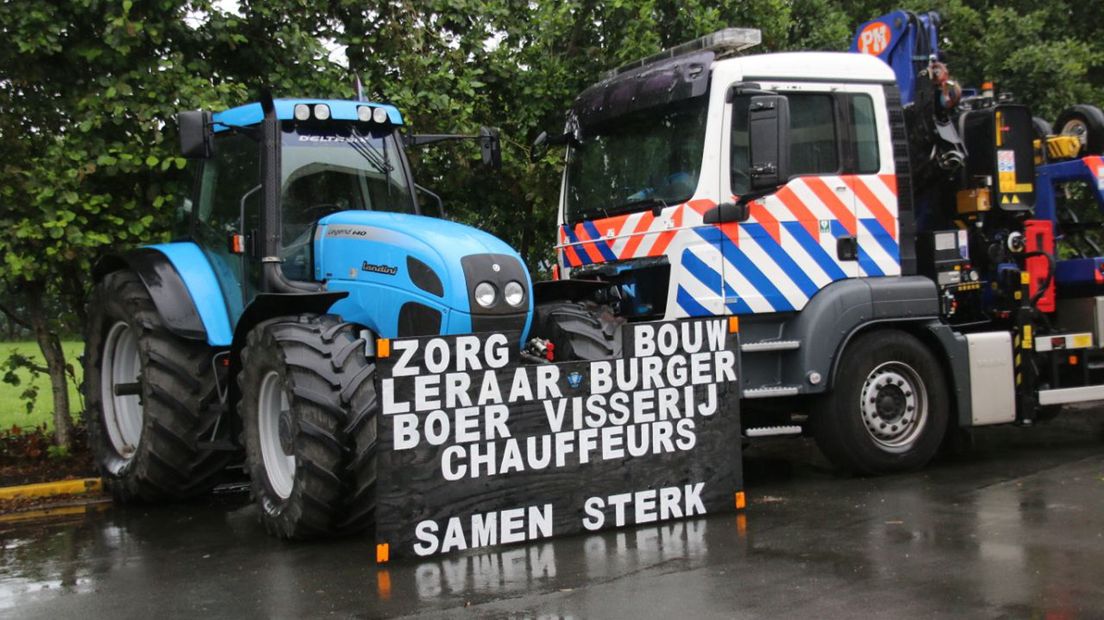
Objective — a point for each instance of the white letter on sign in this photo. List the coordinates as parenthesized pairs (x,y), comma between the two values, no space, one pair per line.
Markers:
(426,532)
(406,431)
(594,515)
(644,337)
(406,348)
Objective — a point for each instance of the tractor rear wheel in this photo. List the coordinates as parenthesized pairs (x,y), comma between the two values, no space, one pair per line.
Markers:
(888,409)
(300,378)
(151,398)
(579,331)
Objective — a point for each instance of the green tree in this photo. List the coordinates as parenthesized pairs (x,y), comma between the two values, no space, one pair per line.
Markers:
(88,97)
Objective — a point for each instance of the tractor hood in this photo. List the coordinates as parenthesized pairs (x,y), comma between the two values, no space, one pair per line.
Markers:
(425,266)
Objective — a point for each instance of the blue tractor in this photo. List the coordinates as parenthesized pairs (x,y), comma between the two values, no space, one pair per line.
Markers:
(254,331)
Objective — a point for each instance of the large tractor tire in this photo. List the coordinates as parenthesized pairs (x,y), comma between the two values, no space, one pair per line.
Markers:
(301,377)
(1086,123)
(888,410)
(151,398)
(579,331)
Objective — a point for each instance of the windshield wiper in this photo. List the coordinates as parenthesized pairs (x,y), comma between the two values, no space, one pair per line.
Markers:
(370,153)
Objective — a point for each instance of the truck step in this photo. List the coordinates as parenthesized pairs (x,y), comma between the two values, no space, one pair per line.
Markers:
(772,431)
(1062,396)
(772,391)
(770,345)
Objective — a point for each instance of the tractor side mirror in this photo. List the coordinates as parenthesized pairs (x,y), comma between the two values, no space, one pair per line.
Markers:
(769,140)
(195,134)
(491,147)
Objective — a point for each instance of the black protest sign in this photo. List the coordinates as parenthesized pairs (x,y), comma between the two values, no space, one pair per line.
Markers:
(478,449)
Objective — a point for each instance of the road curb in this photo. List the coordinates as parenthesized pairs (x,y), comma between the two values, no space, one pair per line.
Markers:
(79,486)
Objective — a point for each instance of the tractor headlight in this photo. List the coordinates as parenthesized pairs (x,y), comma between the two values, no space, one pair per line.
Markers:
(379,115)
(322,112)
(485,294)
(514,293)
(302,111)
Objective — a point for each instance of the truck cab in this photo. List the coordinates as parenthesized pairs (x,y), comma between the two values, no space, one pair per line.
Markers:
(891,263)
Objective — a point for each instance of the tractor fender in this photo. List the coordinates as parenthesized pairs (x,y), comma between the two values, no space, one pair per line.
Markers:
(173,292)
(267,306)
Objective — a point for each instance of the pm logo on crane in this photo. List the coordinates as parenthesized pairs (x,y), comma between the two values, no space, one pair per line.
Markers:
(875,38)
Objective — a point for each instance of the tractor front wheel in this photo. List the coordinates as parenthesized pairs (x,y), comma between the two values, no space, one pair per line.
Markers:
(299,380)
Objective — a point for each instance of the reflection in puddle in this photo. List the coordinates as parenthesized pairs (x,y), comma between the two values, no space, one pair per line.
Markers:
(596,557)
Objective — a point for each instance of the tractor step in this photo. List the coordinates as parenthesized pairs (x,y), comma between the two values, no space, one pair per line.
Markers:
(772,431)
(219,445)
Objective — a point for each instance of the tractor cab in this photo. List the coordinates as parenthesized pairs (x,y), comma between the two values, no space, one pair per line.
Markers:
(316,197)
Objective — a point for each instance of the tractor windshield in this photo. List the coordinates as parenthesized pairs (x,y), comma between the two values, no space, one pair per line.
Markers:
(338,167)
(637,161)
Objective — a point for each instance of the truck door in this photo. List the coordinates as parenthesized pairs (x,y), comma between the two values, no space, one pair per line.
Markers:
(870,178)
(803,236)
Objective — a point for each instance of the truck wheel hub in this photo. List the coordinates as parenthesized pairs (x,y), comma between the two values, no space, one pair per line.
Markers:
(893,406)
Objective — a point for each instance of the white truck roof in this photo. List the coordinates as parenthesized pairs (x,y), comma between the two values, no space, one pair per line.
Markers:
(822,66)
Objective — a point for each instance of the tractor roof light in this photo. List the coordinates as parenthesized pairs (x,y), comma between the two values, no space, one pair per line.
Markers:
(726,42)
(322,112)
(379,115)
(364,113)
(302,112)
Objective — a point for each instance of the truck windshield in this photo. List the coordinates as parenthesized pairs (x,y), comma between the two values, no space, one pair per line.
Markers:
(637,161)
(337,167)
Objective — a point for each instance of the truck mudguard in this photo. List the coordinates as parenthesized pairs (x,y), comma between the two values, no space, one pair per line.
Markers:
(183,288)
(840,310)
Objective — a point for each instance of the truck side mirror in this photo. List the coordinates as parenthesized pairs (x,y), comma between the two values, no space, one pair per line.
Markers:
(491,147)
(195,134)
(769,140)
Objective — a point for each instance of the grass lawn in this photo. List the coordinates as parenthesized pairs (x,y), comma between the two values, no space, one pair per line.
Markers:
(13,411)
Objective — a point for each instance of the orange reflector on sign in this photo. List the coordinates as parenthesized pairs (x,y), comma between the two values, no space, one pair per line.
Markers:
(383,553)
(733,324)
(1073,360)
(741,500)
(383,347)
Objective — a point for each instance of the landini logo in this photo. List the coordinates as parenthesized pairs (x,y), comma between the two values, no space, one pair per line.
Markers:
(386,270)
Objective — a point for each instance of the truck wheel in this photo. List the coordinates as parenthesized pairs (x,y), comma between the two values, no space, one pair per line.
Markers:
(888,410)
(579,331)
(1086,122)
(297,373)
(151,397)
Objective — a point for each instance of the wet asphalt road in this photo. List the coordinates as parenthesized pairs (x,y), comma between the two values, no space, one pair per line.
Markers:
(1012,526)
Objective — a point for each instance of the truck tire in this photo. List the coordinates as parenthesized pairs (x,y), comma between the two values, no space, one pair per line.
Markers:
(145,443)
(297,378)
(888,410)
(1042,127)
(579,331)
(1087,123)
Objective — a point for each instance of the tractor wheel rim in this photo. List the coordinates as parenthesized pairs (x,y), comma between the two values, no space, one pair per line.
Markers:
(1077,129)
(894,406)
(274,426)
(121,364)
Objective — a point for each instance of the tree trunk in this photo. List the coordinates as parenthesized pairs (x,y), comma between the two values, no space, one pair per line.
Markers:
(50,345)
